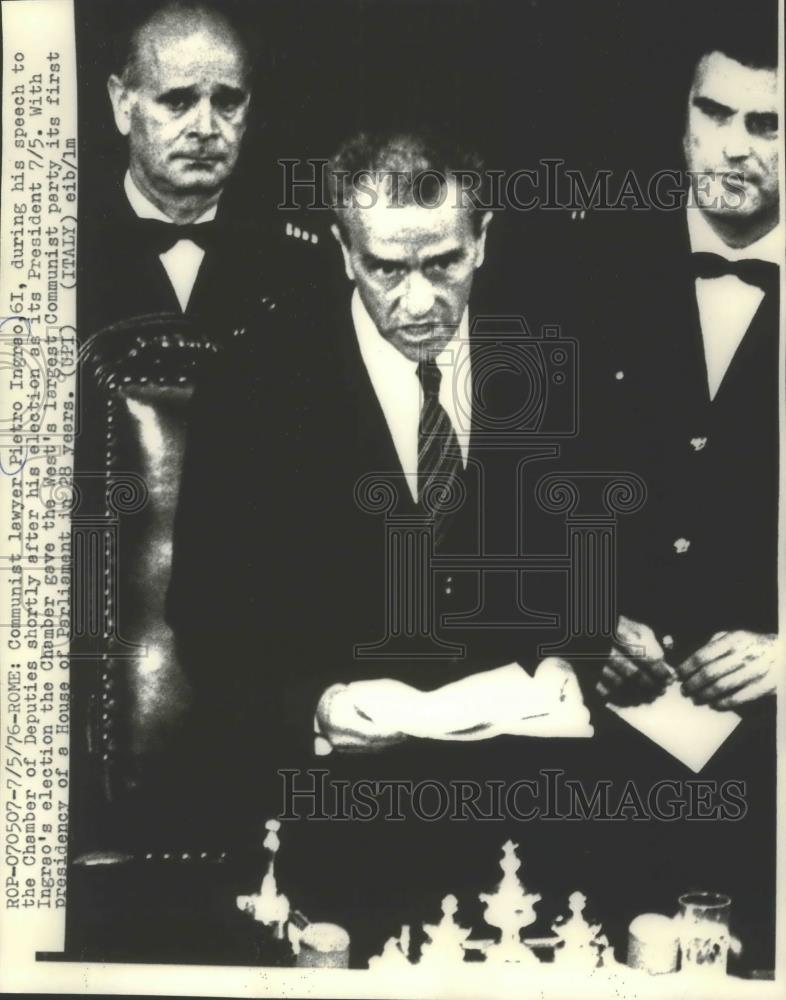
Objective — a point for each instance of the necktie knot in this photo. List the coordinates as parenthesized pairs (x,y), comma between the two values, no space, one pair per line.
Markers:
(430,377)
(762,273)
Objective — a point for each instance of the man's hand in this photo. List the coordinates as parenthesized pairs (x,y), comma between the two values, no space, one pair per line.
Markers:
(635,671)
(732,669)
(339,724)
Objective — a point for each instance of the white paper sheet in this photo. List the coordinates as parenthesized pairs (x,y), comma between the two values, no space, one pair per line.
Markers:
(691,733)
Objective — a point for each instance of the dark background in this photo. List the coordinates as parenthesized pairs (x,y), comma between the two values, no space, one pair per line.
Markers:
(600,84)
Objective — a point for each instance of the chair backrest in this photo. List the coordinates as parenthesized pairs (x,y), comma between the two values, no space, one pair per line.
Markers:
(130,694)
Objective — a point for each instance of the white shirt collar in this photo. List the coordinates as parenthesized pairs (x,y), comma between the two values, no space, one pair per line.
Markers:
(726,304)
(395,382)
(145,209)
(703,238)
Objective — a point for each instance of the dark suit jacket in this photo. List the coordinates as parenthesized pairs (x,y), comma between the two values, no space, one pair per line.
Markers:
(281,436)
(711,470)
(279,574)
(711,466)
(253,263)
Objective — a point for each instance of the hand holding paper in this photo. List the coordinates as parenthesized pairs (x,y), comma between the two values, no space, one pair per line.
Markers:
(635,671)
(732,669)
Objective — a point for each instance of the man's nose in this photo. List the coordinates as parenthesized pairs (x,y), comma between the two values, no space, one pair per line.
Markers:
(418,297)
(204,122)
(736,141)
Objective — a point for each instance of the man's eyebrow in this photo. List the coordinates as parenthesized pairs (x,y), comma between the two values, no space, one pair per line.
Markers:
(230,93)
(371,260)
(709,106)
(176,94)
(768,118)
(447,258)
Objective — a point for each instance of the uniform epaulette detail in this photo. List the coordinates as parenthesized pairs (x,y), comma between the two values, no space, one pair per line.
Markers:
(300,233)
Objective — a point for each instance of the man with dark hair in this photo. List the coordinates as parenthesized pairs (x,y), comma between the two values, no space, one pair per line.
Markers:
(331,635)
(731,144)
(417,169)
(689,384)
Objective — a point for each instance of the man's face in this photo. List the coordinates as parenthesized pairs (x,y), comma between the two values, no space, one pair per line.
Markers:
(413,267)
(185,115)
(732,128)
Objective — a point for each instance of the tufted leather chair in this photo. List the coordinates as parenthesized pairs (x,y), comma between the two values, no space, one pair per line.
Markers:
(145,880)
(130,698)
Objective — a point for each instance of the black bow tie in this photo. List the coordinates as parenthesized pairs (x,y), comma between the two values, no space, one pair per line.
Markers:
(761,273)
(161,236)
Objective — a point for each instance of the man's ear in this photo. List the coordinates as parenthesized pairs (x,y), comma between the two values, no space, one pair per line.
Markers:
(120,97)
(481,238)
(344,250)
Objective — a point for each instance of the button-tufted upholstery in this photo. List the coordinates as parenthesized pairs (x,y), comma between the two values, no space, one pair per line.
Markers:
(130,697)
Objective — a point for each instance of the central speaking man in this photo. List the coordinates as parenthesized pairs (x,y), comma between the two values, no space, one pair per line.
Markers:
(329,461)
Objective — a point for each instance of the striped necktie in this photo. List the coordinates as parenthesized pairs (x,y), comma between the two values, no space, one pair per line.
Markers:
(439,453)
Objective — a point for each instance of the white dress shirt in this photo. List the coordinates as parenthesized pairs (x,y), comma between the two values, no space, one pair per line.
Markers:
(399,392)
(727,304)
(183,260)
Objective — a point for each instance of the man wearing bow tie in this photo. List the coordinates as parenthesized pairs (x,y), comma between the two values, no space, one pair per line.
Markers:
(164,240)
(689,384)
(731,144)
(182,100)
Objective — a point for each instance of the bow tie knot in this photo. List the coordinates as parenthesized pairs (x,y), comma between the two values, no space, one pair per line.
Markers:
(161,236)
(762,273)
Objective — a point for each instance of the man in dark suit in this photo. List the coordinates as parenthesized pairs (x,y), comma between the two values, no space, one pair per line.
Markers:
(329,461)
(163,238)
(688,336)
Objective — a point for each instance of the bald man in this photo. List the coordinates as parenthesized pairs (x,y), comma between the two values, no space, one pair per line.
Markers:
(182,100)
(163,239)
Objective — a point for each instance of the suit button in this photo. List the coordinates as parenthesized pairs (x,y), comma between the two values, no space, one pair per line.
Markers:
(668,642)
(681,545)
(698,443)
(619,376)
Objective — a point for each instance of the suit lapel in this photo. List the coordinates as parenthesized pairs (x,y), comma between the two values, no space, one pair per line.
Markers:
(369,443)
(695,382)
(150,282)
(685,358)
(759,342)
